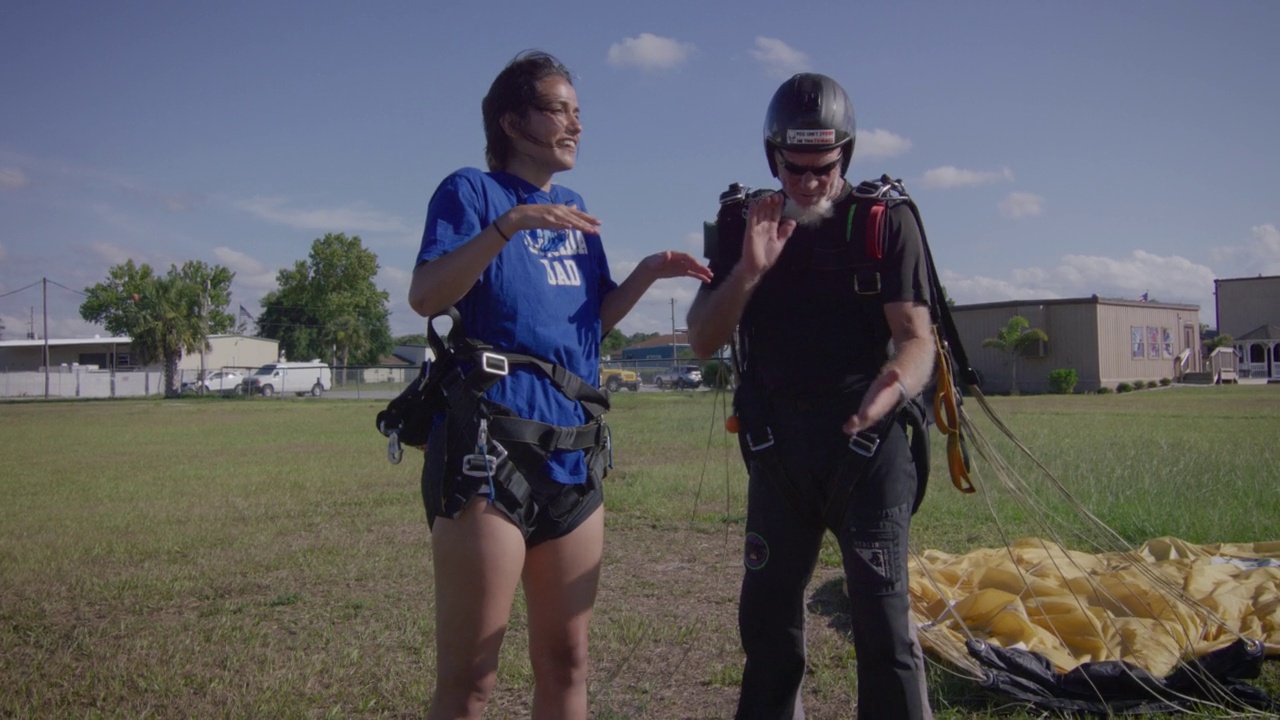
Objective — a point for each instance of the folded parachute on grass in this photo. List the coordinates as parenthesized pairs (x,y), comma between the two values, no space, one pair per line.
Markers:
(1168,627)
(1105,632)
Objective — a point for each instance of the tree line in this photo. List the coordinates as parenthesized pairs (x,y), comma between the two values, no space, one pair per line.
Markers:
(326,307)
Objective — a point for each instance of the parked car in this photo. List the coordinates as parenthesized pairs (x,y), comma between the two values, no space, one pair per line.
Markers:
(614,379)
(223,382)
(679,377)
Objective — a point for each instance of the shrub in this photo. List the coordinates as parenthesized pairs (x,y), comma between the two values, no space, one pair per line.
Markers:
(1063,380)
(1124,387)
(1165,382)
(1103,390)
(717,374)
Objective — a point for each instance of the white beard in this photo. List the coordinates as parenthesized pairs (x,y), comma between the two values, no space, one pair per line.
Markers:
(809,216)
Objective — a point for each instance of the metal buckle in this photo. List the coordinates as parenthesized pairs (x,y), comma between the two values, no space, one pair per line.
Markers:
(751,443)
(482,464)
(494,363)
(873,287)
(477,465)
(864,444)
(394,450)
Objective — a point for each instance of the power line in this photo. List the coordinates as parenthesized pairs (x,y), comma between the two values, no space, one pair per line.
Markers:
(12,292)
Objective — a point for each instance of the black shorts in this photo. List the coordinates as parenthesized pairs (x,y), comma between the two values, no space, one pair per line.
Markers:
(552,511)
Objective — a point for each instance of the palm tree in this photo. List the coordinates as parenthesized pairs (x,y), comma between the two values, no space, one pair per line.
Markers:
(169,322)
(1015,338)
(347,335)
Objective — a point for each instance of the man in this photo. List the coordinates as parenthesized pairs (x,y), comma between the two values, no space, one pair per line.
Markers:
(833,343)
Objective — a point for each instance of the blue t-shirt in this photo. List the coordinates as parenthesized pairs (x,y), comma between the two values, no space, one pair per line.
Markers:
(540,296)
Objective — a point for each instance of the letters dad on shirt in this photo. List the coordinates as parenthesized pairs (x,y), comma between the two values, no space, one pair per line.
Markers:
(556,249)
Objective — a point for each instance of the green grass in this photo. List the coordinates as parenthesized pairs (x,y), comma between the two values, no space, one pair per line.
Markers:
(250,558)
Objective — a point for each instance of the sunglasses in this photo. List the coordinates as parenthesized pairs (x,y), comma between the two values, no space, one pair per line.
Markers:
(800,170)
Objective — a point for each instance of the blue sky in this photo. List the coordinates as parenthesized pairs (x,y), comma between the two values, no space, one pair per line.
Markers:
(1055,150)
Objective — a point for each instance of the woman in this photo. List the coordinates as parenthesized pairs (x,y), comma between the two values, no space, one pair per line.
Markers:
(523,263)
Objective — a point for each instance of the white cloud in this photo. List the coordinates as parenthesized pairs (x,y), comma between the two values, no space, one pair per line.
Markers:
(1170,278)
(949,176)
(780,60)
(965,289)
(112,254)
(251,276)
(12,178)
(396,277)
(879,144)
(1021,204)
(1258,255)
(649,52)
(351,219)
(236,261)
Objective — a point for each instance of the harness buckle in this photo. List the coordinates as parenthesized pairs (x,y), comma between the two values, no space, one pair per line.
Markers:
(477,465)
(872,283)
(483,464)
(766,442)
(864,444)
(394,450)
(494,363)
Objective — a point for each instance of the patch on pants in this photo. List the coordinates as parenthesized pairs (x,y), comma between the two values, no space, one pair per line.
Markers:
(876,559)
(755,552)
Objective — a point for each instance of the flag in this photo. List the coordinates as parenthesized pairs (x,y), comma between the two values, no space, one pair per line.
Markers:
(245,313)
(1141,299)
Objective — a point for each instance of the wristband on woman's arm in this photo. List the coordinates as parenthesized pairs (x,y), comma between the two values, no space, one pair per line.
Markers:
(505,237)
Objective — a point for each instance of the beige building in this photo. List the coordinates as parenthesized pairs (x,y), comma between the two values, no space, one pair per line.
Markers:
(107,367)
(238,352)
(1249,311)
(1106,341)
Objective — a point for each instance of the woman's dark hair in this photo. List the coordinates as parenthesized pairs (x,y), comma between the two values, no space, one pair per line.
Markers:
(515,90)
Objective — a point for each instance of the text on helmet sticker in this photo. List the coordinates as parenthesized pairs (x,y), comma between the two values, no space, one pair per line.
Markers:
(811,137)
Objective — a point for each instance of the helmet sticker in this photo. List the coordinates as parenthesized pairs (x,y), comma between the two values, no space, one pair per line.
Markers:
(825,136)
(755,552)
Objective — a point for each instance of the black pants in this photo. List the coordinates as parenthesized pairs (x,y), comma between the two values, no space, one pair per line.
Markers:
(785,526)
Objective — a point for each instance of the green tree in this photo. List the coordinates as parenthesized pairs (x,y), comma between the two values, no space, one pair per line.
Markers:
(166,316)
(947,296)
(612,342)
(305,313)
(1213,343)
(347,335)
(415,339)
(1013,340)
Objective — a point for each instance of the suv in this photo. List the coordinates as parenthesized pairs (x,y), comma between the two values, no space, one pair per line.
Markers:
(223,382)
(614,379)
(679,377)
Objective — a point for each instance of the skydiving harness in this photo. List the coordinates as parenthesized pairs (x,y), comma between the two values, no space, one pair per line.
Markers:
(876,198)
(483,441)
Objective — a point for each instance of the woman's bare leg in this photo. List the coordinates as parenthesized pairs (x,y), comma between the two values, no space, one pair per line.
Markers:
(560,581)
(477,559)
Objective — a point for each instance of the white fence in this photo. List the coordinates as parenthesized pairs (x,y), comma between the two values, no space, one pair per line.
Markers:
(82,383)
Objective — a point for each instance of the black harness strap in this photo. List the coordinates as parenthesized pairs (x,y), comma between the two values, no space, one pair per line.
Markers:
(485,441)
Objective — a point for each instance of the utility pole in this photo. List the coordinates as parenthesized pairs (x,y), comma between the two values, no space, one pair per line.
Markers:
(204,323)
(673,331)
(44,301)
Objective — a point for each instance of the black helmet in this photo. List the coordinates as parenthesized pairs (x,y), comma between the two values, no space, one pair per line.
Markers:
(809,113)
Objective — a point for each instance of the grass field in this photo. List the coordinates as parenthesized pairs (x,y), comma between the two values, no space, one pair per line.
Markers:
(249,558)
